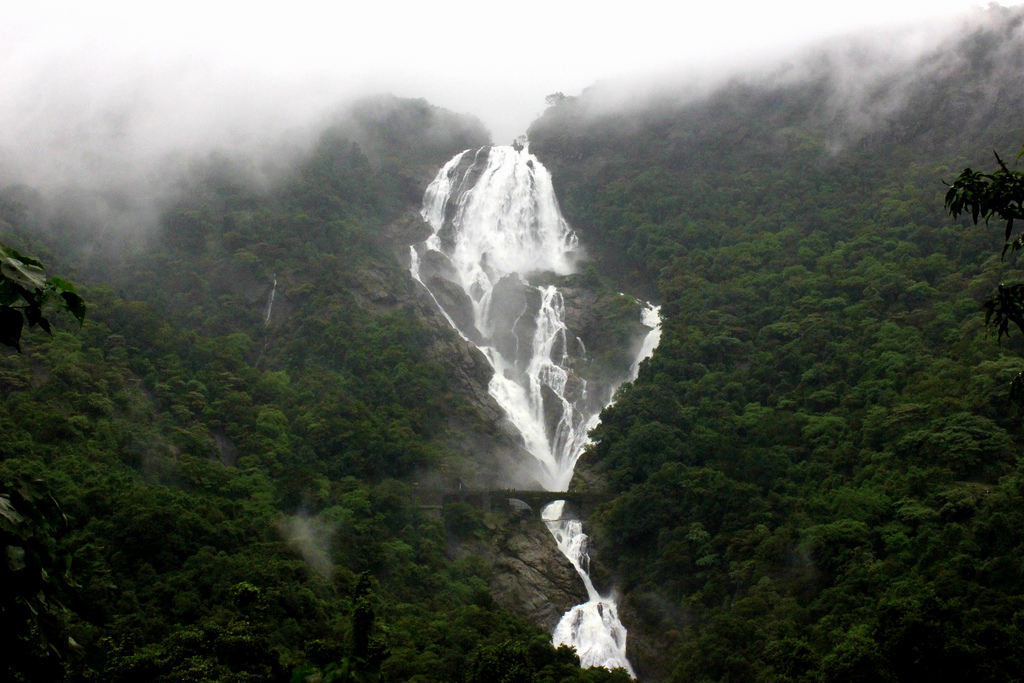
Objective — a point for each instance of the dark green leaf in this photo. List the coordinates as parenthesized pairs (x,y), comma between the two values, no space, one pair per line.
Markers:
(9,252)
(74,304)
(34,315)
(25,274)
(9,292)
(62,284)
(11,324)
(15,558)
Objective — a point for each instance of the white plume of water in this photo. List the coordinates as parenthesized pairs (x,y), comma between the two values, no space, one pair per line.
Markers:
(494,215)
(270,301)
(504,211)
(652,319)
(495,221)
(593,628)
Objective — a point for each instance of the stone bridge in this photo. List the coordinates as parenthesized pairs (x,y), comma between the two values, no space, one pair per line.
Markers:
(577,505)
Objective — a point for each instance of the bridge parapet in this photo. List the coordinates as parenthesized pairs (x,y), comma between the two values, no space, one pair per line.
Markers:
(577,505)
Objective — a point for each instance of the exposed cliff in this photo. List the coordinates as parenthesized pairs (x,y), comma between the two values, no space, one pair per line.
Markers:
(529,576)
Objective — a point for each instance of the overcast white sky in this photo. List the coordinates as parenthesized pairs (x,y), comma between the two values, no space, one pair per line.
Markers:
(159,75)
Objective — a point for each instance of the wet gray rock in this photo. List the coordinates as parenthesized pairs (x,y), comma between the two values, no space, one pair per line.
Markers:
(226,448)
(407,230)
(402,233)
(553,410)
(650,620)
(435,264)
(610,327)
(575,389)
(579,305)
(457,304)
(512,318)
(530,577)
(588,475)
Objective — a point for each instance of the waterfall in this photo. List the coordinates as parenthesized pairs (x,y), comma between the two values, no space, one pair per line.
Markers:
(652,319)
(593,628)
(266,319)
(270,301)
(495,224)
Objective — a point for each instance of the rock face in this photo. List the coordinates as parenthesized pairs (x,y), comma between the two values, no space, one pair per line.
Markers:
(609,325)
(407,230)
(457,304)
(512,319)
(435,264)
(530,577)
(588,476)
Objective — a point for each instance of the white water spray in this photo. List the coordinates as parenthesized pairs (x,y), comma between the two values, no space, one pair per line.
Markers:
(270,301)
(496,221)
(652,319)
(593,628)
(266,319)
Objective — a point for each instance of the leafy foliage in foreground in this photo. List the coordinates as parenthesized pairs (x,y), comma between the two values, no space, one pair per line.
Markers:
(819,473)
(996,195)
(36,580)
(24,290)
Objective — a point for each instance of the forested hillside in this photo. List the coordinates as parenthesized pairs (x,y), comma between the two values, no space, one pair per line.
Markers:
(819,471)
(235,434)
(817,476)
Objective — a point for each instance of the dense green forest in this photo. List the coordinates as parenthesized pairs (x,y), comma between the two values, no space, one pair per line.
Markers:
(233,479)
(819,471)
(817,475)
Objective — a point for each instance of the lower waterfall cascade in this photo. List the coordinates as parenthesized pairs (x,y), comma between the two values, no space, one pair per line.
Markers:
(593,628)
(495,223)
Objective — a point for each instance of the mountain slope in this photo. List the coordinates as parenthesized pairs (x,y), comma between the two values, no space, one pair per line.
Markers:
(238,432)
(818,469)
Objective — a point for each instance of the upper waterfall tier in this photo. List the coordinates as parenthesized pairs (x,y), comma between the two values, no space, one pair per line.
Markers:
(495,220)
(494,212)
(495,225)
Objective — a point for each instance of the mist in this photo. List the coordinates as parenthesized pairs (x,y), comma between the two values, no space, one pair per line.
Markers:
(867,78)
(311,538)
(108,105)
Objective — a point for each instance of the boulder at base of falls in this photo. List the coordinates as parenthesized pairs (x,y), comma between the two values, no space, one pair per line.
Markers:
(530,577)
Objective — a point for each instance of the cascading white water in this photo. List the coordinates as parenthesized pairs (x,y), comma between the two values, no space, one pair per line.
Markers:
(270,301)
(652,319)
(266,318)
(593,628)
(496,221)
